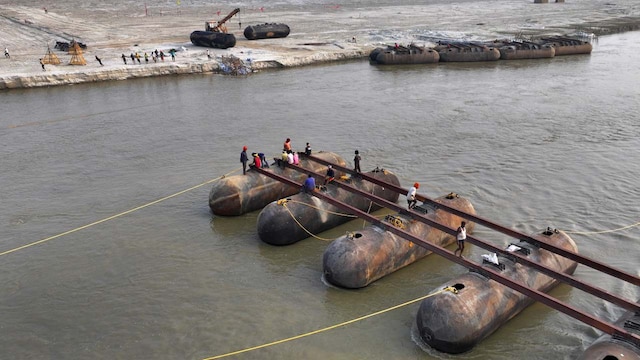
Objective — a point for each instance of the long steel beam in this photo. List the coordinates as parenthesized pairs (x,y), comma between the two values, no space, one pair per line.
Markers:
(630,278)
(490,273)
(568,279)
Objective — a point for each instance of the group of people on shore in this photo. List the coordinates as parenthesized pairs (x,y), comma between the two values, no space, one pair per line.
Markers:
(155,55)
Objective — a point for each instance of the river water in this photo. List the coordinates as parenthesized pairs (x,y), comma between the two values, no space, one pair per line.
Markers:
(530,143)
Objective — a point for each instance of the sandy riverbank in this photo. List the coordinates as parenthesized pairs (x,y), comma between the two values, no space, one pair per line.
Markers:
(318,33)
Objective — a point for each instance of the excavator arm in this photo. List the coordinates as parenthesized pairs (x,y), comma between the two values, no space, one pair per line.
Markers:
(218,26)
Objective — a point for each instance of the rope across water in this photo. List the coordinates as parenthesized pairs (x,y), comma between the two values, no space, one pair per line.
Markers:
(211,181)
(449,288)
(116,215)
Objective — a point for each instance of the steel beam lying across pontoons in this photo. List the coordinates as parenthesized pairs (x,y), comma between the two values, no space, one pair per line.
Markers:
(490,273)
(515,256)
(630,278)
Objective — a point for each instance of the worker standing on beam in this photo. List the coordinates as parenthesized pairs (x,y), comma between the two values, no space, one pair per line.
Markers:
(461,236)
(411,196)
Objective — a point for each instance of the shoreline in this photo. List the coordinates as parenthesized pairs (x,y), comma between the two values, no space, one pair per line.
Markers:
(61,76)
(310,42)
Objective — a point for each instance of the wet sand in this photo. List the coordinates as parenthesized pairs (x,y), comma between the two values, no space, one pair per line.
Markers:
(318,33)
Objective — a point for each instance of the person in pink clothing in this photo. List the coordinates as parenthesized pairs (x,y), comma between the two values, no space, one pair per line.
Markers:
(296,158)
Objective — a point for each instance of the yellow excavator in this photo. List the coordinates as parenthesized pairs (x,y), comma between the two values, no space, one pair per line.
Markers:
(218,26)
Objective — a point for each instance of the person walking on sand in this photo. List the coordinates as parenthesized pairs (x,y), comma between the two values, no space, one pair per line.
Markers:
(42,64)
(6,53)
(138,57)
(146,58)
(133,58)
(124,58)
(461,236)
(99,60)
(208,54)
(162,55)
(173,54)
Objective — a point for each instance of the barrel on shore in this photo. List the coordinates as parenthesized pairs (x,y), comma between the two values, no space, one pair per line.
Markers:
(609,347)
(356,260)
(266,31)
(455,322)
(240,194)
(213,39)
(290,220)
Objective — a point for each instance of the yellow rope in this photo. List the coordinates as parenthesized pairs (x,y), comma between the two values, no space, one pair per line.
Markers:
(364,222)
(317,208)
(603,231)
(302,226)
(115,216)
(450,288)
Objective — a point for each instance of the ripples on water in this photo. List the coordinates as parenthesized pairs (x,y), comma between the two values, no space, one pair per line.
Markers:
(530,143)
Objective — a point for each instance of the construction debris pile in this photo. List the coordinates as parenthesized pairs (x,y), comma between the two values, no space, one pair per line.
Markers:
(232,65)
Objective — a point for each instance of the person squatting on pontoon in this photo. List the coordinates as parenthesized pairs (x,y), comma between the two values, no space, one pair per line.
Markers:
(256,161)
(309,185)
(263,160)
(330,176)
(282,162)
(296,158)
(290,157)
